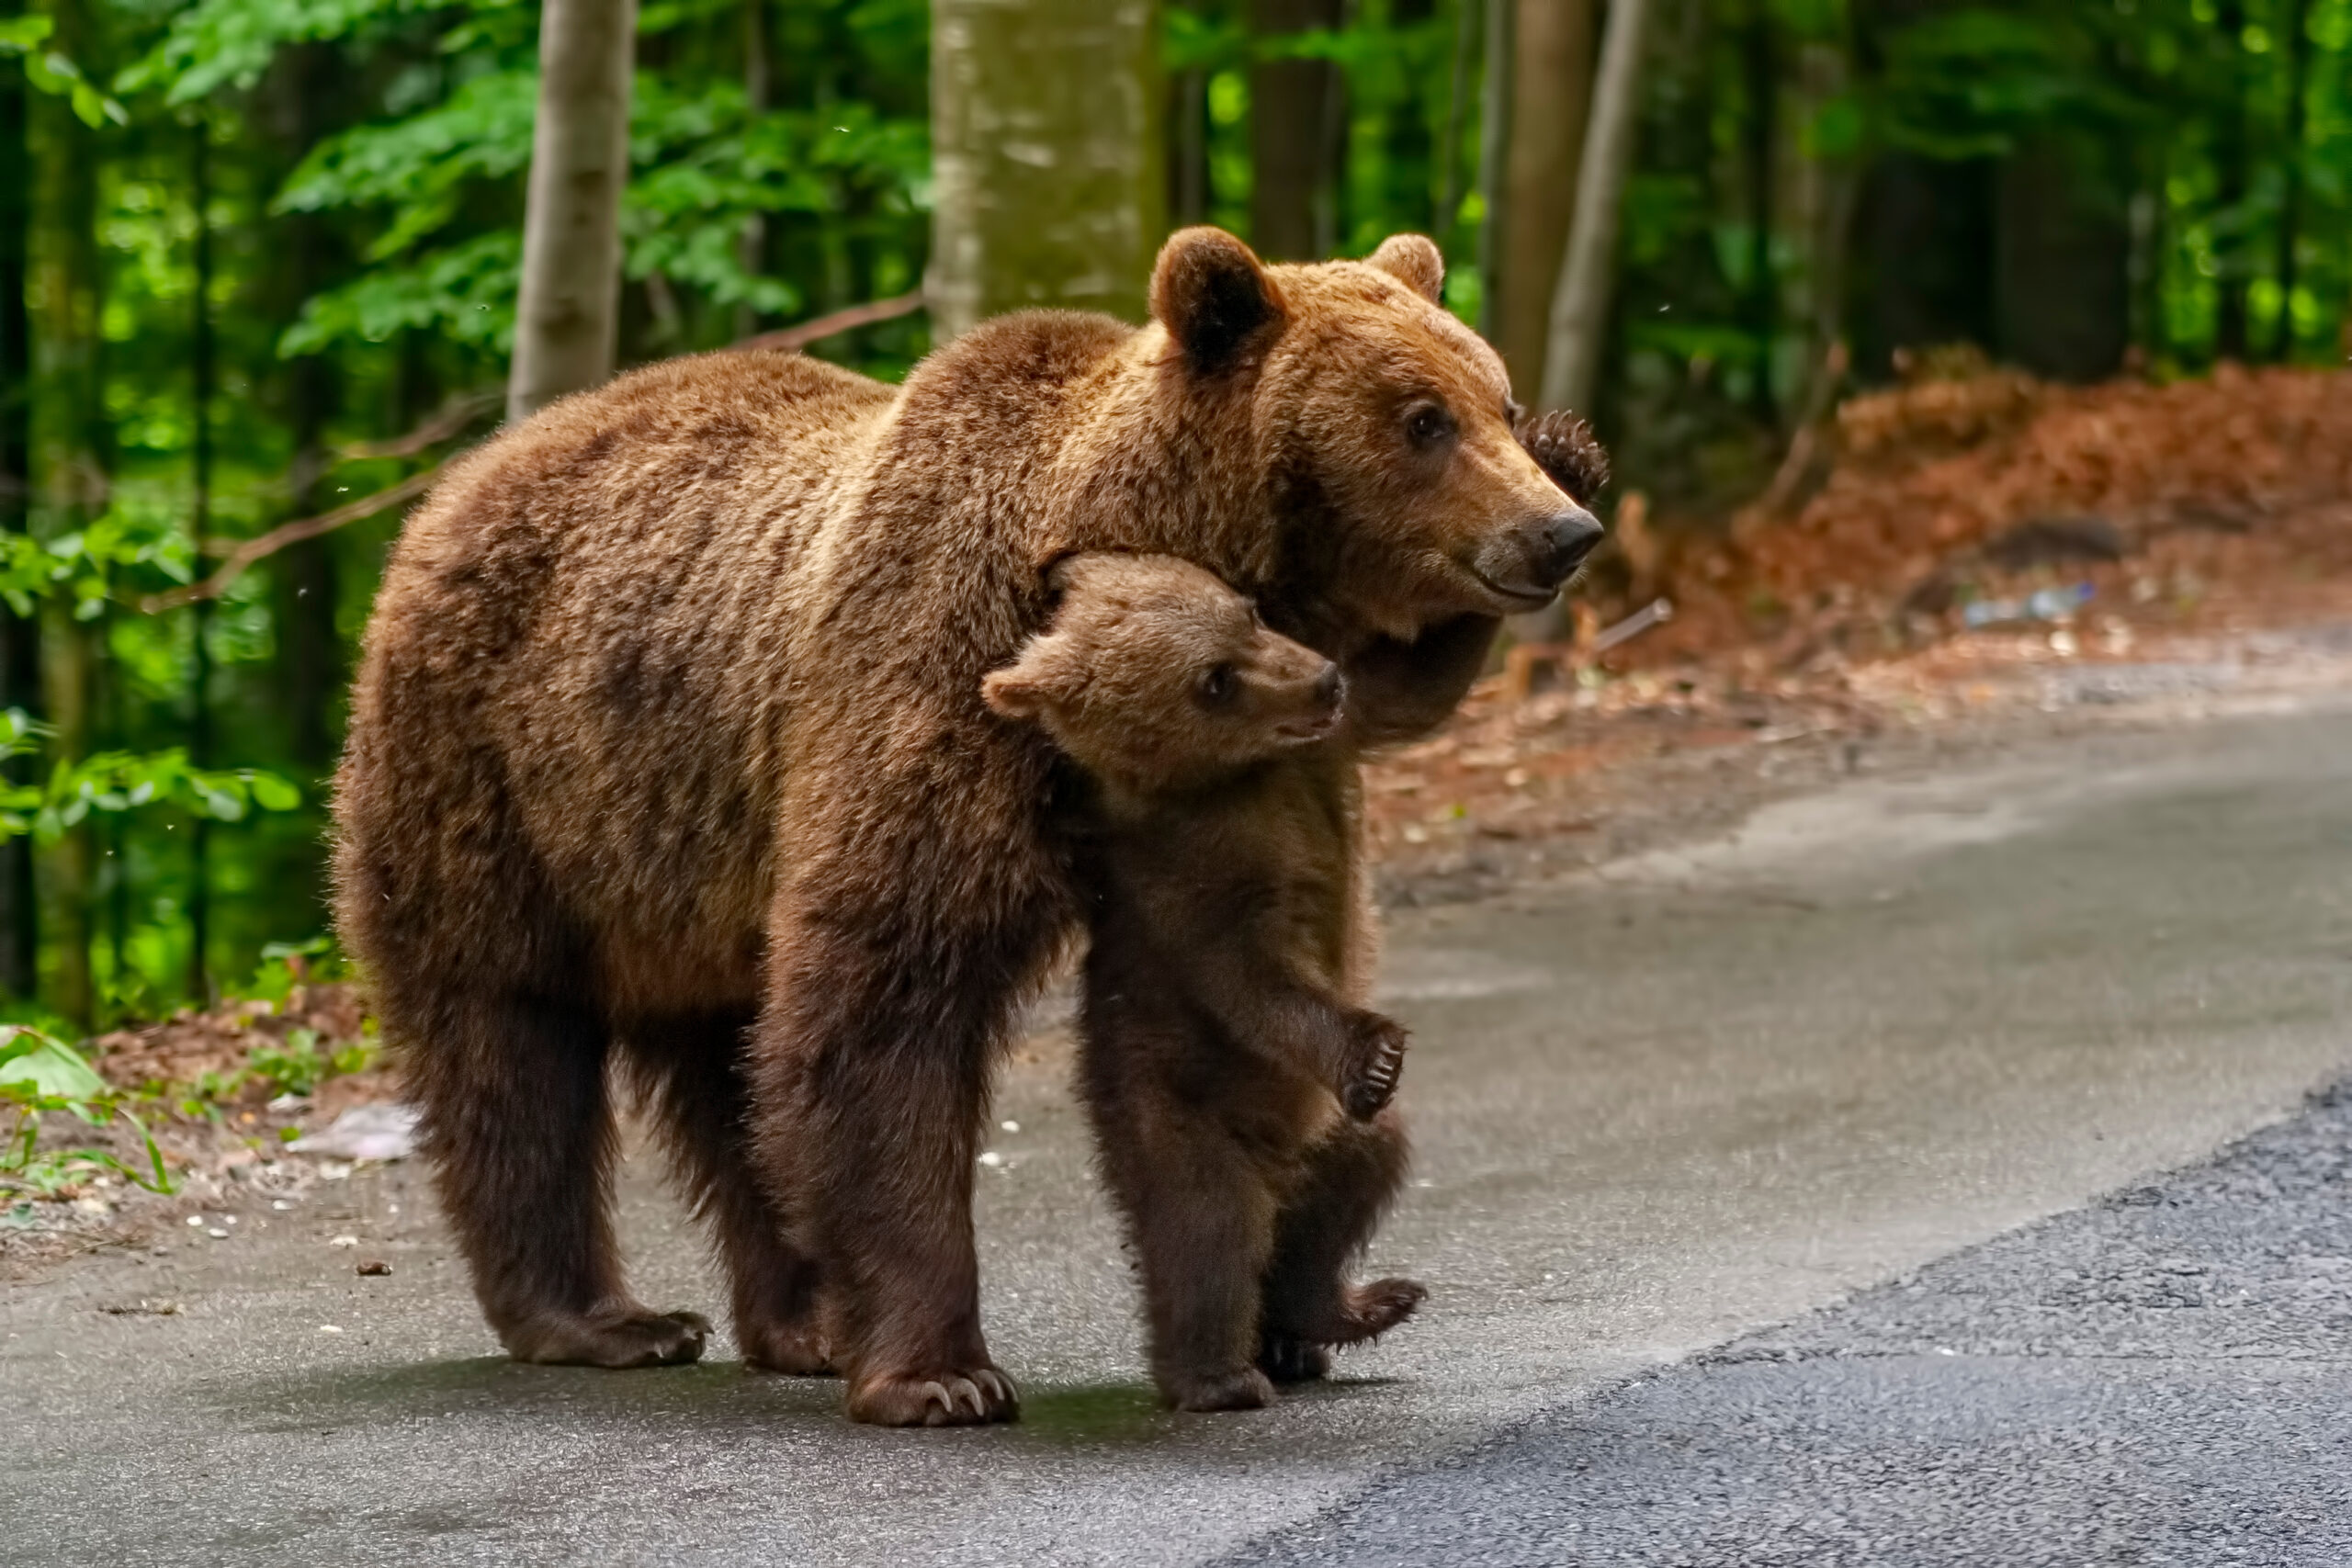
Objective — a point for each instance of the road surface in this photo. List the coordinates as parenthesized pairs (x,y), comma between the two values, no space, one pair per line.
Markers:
(1662,1110)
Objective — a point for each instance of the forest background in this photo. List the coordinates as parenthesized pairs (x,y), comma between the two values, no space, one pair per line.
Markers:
(259,263)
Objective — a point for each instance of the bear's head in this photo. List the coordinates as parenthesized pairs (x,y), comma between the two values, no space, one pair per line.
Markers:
(1384,430)
(1156,676)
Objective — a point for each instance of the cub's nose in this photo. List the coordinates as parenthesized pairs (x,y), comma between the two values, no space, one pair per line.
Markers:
(1327,687)
(1567,539)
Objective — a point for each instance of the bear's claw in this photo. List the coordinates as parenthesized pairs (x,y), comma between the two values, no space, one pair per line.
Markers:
(955,1399)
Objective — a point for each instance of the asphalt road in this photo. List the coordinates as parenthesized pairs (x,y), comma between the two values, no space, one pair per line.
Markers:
(1659,1109)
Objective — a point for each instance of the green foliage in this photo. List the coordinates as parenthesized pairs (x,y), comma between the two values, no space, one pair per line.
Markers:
(55,74)
(120,781)
(41,1075)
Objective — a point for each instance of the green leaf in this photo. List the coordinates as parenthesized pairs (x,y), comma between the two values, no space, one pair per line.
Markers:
(272,793)
(34,1065)
(19,35)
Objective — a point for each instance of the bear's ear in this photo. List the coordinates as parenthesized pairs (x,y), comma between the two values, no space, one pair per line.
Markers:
(1415,259)
(1211,293)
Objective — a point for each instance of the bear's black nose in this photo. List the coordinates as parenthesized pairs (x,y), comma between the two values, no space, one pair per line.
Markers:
(1326,687)
(1567,539)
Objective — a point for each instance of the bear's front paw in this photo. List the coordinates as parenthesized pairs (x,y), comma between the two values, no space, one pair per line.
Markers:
(957,1397)
(1380,1058)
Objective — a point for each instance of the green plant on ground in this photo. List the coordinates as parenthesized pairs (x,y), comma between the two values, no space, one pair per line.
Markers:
(40,1075)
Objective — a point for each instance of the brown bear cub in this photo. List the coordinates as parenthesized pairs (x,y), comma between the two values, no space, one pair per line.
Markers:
(1223,1040)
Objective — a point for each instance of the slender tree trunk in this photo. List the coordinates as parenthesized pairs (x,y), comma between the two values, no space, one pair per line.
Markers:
(69,471)
(752,247)
(1580,306)
(2230,153)
(203,374)
(1457,106)
(567,320)
(2296,26)
(19,636)
(1494,156)
(1550,98)
(1292,106)
(1047,157)
(1188,149)
(1761,59)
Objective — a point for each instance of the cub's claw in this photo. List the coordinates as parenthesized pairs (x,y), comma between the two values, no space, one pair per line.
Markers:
(1372,1087)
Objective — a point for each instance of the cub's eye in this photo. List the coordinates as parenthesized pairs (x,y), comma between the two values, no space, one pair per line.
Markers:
(1219,686)
(1429,424)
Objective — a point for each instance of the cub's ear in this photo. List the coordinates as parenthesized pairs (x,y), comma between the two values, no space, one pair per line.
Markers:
(1415,259)
(1027,687)
(1211,293)
(1012,693)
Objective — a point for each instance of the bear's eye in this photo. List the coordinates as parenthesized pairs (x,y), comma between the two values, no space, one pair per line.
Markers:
(1429,424)
(1219,686)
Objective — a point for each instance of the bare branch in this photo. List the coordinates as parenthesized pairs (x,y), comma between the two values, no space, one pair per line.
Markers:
(243,553)
(452,417)
(790,339)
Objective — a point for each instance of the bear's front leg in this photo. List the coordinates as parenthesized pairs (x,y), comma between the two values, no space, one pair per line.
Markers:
(1399,692)
(900,939)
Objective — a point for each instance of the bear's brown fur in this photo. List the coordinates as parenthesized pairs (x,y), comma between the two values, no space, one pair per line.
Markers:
(669,735)
(1229,953)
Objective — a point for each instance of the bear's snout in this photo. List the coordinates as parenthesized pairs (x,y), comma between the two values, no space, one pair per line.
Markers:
(1567,539)
(1532,561)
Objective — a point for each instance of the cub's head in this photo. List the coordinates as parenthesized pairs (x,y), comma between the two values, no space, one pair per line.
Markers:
(1384,426)
(1156,676)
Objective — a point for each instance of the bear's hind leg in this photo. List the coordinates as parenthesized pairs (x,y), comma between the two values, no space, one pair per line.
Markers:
(517,1122)
(1352,1174)
(694,1070)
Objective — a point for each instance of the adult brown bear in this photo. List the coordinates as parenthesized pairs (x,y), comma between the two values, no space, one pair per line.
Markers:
(669,737)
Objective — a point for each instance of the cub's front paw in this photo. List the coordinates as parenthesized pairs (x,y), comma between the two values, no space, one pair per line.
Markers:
(957,1397)
(616,1337)
(1229,1388)
(1380,1058)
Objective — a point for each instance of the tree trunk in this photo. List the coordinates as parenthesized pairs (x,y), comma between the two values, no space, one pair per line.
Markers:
(1760,56)
(1457,102)
(69,471)
(19,636)
(202,376)
(2230,340)
(2061,265)
(1494,154)
(752,247)
(1551,97)
(1291,107)
(2297,28)
(1047,157)
(1580,305)
(567,320)
(1188,151)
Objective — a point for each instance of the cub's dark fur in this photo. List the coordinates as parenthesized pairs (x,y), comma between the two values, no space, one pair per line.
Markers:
(1226,1057)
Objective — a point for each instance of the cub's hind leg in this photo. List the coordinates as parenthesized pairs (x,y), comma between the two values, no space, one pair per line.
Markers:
(1352,1175)
(1200,1216)
(693,1070)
